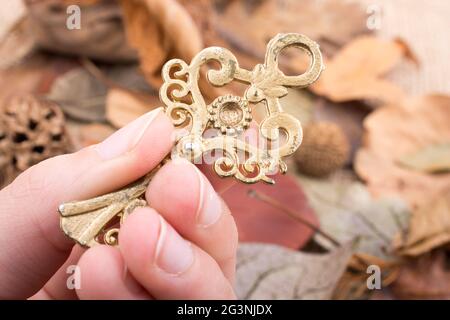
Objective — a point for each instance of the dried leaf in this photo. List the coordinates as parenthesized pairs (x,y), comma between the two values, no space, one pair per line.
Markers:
(424,278)
(16,45)
(247,25)
(83,97)
(356,72)
(429,228)
(157,28)
(430,159)
(396,130)
(101,36)
(11,13)
(80,2)
(272,272)
(80,95)
(34,76)
(123,106)
(347,211)
(299,103)
(353,284)
(259,222)
(84,135)
(144,34)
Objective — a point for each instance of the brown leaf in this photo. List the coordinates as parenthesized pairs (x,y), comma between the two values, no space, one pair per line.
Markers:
(144,34)
(34,76)
(248,25)
(355,73)
(260,222)
(123,106)
(101,36)
(17,44)
(424,278)
(80,95)
(84,135)
(429,228)
(81,2)
(159,27)
(353,283)
(430,159)
(396,130)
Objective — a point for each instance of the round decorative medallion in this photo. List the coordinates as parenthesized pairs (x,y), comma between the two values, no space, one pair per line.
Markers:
(231,114)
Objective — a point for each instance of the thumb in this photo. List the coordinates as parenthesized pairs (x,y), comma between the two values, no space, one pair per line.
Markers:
(32,246)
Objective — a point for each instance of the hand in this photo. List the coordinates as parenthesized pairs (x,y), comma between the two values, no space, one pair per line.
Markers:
(183,247)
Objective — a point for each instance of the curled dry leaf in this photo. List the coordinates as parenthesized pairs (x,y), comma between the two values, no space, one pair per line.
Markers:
(17,44)
(157,28)
(395,131)
(123,106)
(353,283)
(272,272)
(144,34)
(355,73)
(259,222)
(429,228)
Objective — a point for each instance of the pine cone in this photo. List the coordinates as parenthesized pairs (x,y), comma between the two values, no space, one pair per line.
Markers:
(324,149)
(31,130)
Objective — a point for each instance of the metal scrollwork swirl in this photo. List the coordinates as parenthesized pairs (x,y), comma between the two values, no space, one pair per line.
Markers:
(98,220)
(266,83)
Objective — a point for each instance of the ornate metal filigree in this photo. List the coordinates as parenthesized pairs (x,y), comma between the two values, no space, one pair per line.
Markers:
(92,221)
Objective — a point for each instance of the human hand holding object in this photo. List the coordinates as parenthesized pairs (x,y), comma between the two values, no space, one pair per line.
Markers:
(98,220)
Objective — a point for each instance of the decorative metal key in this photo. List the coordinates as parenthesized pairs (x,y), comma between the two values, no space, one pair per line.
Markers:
(98,220)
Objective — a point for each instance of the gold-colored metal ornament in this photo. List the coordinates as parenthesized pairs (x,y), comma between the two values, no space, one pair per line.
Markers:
(98,220)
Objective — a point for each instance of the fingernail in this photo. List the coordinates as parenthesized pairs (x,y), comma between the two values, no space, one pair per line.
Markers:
(174,255)
(210,206)
(127,137)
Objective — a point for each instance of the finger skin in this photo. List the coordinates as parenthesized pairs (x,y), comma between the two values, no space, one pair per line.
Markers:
(104,277)
(32,246)
(139,244)
(220,184)
(56,288)
(176,193)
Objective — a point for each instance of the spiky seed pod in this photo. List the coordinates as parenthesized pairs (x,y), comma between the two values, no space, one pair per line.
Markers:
(324,149)
(31,130)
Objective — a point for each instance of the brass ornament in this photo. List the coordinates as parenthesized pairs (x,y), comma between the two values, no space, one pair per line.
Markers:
(230,114)
(98,220)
